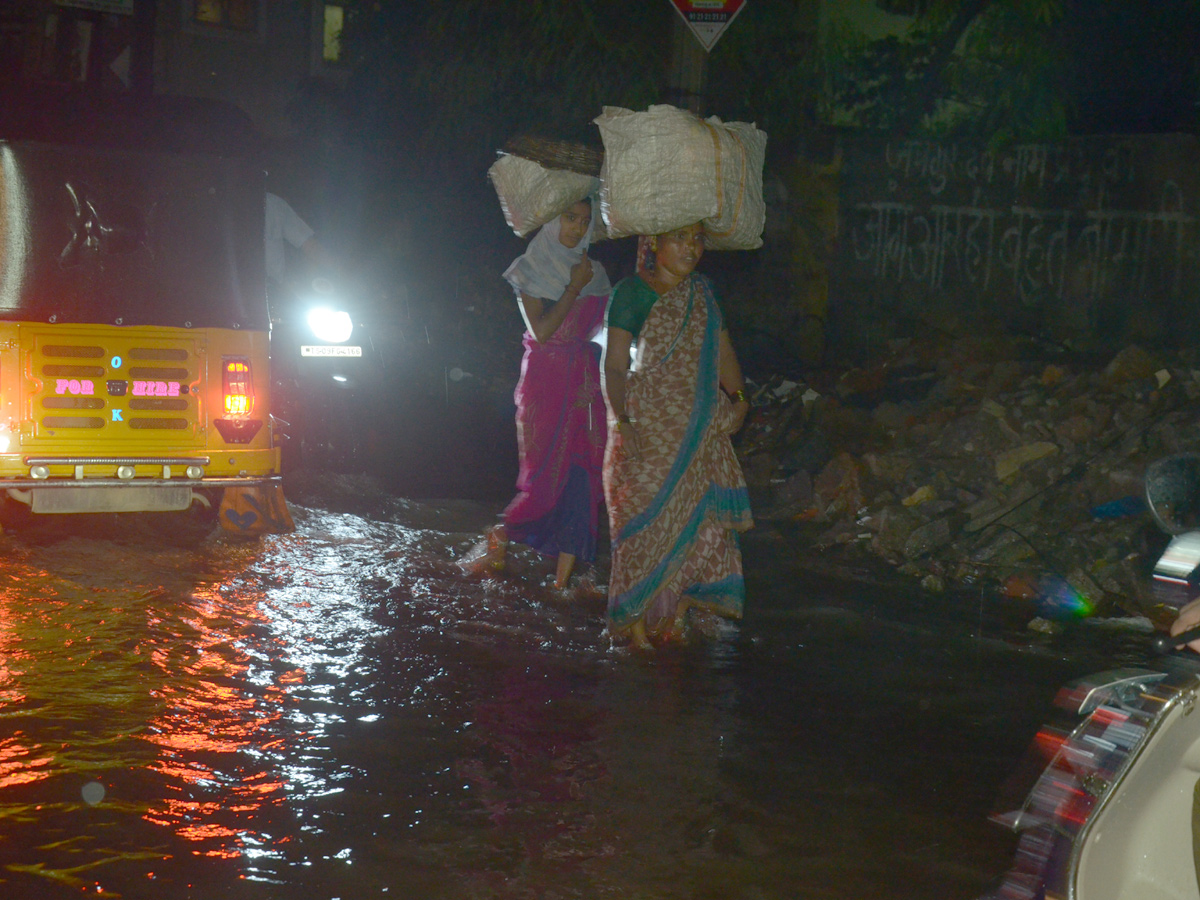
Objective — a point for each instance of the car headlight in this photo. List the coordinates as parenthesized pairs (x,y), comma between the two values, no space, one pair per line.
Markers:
(331,325)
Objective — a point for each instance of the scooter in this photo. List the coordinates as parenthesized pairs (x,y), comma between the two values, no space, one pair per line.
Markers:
(1112,816)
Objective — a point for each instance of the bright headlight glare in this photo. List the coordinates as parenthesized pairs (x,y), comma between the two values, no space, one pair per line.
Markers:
(330,325)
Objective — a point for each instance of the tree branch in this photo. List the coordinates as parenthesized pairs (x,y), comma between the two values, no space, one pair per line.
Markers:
(926,87)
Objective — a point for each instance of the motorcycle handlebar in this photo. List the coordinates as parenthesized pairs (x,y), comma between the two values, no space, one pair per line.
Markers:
(1165,643)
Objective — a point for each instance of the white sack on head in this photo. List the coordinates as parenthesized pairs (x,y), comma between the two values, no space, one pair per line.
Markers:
(531,195)
(666,168)
(742,213)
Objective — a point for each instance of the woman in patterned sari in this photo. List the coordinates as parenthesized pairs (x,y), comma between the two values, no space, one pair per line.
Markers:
(560,411)
(676,495)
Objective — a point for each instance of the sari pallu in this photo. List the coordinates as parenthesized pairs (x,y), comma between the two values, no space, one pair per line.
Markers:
(674,512)
(561,433)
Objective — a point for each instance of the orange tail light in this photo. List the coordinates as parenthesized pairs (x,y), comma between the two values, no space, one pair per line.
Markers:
(238,386)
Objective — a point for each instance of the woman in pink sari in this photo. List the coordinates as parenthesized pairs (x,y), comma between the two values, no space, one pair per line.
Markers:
(675,491)
(561,428)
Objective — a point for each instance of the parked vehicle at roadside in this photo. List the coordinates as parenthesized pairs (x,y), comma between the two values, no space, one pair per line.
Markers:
(134,329)
(1114,813)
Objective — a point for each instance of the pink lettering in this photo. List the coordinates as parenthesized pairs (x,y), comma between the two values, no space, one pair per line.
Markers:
(156,389)
(75,387)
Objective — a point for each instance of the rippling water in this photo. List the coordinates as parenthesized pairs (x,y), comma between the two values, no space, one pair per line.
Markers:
(342,713)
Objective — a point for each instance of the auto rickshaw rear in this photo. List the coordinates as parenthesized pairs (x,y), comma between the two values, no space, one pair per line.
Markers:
(134,331)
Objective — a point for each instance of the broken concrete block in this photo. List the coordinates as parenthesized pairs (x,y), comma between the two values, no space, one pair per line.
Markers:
(1011,461)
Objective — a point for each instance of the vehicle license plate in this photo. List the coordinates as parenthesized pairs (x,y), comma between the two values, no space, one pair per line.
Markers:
(319,350)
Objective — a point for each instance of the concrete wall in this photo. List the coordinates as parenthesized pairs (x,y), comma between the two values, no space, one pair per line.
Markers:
(1092,242)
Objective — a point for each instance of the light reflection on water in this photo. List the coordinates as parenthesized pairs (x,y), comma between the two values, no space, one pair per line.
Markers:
(342,713)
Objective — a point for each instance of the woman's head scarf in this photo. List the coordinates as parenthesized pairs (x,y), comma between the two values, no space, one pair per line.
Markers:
(544,270)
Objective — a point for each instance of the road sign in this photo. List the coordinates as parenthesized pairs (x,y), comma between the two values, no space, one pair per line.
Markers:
(708,19)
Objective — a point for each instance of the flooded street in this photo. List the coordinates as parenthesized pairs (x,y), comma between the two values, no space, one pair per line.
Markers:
(341,713)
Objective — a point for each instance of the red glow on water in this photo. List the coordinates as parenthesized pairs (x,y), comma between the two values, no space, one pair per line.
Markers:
(153,680)
(18,765)
(208,723)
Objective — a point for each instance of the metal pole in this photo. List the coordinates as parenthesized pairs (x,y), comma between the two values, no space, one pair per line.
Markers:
(688,69)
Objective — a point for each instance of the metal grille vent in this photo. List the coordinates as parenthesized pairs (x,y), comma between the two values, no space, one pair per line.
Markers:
(78,407)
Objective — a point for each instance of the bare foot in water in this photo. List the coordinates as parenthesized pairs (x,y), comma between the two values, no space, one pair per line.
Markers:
(562,574)
(637,636)
(497,547)
(678,632)
(487,556)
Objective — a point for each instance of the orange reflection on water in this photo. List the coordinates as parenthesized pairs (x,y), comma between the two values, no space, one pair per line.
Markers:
(10,649)
(179,814)
(146,680)
(215,722)
(19,766)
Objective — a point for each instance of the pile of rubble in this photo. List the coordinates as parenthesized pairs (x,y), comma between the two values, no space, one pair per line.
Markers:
(985,462)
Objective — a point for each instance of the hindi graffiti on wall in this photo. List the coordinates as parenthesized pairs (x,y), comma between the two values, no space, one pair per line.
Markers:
(1086,233)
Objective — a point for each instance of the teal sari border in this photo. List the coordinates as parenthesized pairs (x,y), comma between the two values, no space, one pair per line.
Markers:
(727,502)
(707,386)
(727,594)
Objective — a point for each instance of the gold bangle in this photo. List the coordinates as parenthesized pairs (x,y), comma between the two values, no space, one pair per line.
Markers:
(739,396)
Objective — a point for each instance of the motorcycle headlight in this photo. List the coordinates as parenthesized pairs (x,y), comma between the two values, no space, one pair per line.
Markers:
(330,325)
